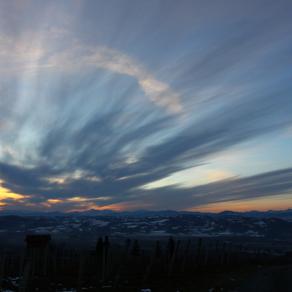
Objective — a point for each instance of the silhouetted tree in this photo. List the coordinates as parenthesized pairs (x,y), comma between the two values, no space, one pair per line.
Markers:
(136,251)
(158,250)
(170,247)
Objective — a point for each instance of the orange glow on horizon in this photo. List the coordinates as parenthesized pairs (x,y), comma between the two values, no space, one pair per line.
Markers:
(82,203)
(118,207)
(88,207)
(54,201)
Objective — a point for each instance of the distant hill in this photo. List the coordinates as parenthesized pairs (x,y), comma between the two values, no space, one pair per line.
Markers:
(151,224)
(280,214)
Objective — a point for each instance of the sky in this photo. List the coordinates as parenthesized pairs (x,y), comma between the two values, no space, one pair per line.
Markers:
(128,105)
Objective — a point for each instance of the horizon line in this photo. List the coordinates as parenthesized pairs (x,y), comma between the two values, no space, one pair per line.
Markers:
(144,210)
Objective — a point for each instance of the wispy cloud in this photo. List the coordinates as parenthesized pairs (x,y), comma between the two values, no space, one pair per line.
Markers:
(241,190)
(37,53)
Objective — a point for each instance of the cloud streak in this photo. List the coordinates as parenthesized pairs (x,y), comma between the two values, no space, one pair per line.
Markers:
(30,58)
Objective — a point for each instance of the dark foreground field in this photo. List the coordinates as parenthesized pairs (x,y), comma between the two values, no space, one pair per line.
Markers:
(137,264)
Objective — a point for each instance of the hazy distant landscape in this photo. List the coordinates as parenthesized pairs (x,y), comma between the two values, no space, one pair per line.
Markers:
(84,227)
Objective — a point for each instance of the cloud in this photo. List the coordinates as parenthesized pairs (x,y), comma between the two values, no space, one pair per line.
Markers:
(271,184)
(75,122)
(106,58)
(69,156)
(7,197)
(266,185)
(31,57)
